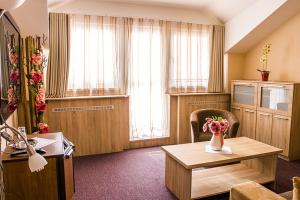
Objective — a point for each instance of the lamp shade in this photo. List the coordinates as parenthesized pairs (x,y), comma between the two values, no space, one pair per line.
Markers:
(10,4)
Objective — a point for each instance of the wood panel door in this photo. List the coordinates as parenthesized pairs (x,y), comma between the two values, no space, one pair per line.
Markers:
(238,112)
(281,133)
(263,127)
(249,123)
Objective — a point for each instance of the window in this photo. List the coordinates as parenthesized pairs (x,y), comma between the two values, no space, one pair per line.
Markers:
(95,64)
(147,57)
(189,66)
(148,101)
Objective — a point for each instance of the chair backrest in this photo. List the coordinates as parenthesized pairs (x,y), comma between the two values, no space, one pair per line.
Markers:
(198,117)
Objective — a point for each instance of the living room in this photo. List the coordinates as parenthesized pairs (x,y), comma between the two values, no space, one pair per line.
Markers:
(143,99)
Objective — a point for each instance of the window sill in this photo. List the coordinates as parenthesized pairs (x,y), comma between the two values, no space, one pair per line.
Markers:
(149,139)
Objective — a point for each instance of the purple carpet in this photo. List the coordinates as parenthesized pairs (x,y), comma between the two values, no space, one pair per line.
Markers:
(139,174)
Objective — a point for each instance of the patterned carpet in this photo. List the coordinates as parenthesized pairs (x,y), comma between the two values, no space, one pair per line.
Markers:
(139,174)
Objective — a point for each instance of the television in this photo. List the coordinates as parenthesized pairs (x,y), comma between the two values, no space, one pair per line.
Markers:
(10,71)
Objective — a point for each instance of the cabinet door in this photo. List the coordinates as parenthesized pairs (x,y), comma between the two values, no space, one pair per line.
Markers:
(275,98)
(244,94)
(263,127)
(238,112)
(281,133)
(249,123)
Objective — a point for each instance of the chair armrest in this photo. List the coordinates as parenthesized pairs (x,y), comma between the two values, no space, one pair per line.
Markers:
(252,191)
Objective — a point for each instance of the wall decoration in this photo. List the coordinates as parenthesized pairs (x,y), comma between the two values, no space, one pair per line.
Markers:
(35,63)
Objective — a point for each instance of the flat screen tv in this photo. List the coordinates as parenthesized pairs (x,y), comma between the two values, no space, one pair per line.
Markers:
(10,72)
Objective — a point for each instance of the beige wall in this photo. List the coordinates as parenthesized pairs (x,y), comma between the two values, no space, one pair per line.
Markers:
(32,18)
(234,68)
(284,60)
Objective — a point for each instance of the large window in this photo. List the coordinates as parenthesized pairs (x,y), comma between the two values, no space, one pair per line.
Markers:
(148,99)
(189,66)
(95,58)
(148,58)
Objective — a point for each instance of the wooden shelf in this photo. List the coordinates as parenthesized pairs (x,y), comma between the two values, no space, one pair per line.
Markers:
(212,181)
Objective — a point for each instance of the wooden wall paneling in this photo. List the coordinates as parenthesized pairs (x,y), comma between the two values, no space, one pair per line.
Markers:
(92,131)
(173,119)
(295,126)
(149,142)
(124,121)
(263,127)
(188,103)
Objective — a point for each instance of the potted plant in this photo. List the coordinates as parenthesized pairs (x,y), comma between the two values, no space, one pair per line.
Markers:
(264,62)
(218,127)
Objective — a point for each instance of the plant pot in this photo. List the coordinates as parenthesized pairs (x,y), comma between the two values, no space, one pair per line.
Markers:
(217,141)
(265,75)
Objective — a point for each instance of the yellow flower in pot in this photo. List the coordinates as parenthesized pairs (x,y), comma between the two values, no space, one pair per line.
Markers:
(266,50)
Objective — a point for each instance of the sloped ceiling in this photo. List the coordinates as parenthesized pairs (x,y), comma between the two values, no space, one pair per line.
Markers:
(259,31)
(247,21)
(222,9)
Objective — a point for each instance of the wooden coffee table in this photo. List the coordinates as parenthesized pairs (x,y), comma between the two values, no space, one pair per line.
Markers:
(193,173)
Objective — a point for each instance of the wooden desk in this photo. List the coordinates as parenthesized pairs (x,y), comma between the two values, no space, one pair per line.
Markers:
(256,162)
(54,182)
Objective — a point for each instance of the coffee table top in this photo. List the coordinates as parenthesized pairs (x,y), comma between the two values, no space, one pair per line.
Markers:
(193,155)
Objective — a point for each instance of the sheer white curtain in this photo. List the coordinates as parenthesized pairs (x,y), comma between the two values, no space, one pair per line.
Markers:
(96,65)
(189,57)
(149,104)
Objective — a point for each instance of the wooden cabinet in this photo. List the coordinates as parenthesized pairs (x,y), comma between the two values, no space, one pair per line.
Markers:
(55,182)
(238,112)
(263,127)
(244,94)
(249,120)
(270,113)
(281,133)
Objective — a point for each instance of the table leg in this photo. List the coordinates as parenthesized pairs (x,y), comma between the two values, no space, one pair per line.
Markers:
(178,179)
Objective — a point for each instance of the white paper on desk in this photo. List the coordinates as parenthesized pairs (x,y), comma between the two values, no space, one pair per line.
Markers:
(42,142)
(225,150)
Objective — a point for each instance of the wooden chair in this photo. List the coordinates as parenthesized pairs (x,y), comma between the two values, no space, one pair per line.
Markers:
(197,119)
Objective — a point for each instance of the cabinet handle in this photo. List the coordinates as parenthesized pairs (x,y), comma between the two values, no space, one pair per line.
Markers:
(235,108)
(264,114)
(250,111)
(281,117)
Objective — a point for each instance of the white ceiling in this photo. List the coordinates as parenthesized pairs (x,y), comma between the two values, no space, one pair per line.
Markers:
(222,9)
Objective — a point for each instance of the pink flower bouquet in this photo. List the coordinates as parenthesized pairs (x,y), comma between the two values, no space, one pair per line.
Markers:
(216,125)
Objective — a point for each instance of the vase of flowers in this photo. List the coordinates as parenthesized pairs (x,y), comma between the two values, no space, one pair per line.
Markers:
(218,127)
(264,62)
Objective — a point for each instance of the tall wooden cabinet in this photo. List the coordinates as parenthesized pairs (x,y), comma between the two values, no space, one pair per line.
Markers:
(269,112)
